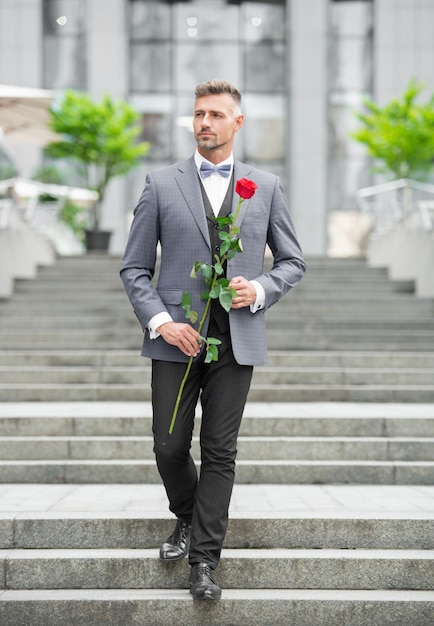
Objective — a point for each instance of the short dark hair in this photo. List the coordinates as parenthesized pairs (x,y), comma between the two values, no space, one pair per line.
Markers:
(217,86)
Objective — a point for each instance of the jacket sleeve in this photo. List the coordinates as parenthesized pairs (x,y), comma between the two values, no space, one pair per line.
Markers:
(138,264)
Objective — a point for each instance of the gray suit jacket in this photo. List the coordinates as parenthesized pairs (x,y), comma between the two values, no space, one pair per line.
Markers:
(170,212)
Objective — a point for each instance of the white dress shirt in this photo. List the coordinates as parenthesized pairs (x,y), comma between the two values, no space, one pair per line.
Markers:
(216,187)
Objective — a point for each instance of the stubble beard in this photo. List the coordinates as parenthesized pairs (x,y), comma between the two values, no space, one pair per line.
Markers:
(209,144)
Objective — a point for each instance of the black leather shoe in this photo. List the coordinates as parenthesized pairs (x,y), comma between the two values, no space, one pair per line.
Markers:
(176,546)
(202,583)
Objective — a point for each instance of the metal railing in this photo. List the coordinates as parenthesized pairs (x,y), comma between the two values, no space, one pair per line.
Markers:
(397,201)
(21,197)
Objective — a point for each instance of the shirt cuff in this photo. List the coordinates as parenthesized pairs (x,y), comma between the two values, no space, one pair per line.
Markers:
(259,303)
(156,321)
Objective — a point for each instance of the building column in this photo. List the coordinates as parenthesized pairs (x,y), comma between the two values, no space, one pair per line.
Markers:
(107,57)
(307,116)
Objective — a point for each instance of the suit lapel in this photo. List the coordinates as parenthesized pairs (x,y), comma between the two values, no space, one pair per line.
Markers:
(189,185)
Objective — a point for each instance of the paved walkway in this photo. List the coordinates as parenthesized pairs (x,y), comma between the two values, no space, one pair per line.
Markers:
(265,501)
(247,501)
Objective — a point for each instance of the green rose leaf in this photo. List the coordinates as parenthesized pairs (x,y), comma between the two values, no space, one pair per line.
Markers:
(225,299)
(212,354)
(212,341)
(186,300)
(225,247)
(207,272)
(215,292)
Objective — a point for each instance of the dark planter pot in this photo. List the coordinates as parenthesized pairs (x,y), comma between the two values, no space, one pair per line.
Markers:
(97,240)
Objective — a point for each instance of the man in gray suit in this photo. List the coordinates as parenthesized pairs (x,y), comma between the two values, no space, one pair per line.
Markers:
(176,211)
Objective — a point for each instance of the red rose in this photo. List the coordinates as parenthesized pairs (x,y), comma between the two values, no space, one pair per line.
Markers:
(245,188)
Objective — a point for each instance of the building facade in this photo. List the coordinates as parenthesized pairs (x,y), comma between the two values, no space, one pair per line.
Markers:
(303,67)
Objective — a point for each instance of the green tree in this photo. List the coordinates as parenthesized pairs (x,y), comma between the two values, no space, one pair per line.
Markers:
(99,136)
(399,136)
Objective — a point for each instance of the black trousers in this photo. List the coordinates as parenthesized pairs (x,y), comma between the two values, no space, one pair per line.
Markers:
(222,386)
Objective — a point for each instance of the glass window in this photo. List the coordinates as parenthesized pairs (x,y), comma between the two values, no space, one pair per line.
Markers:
(264,128)
(156,110)
(64,63)
(72,10)
(150,67)
(345,176)
(64,45)
(351,64)
(351,18)
(149,20)
(264,67)
(350,78)
(174,45)
(206,21)
(195,63)
(185,144)
(262,21)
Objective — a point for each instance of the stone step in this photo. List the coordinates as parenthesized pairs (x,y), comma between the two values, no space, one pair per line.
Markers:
(98,287)
(288,339)
(259,448)
(132,358)
(73,392)
(84,530)
(238,607)
(248,472)
(269,375)
(59,322)
(240,569)
(354,296)
(75,425)
(302,320)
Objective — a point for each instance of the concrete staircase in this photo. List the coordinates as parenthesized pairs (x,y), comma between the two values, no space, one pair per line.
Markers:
(345,334)
(343,413)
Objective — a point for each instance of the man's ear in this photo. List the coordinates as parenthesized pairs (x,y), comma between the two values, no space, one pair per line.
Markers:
(239,122)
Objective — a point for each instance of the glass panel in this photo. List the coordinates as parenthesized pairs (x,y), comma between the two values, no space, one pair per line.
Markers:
(342,122)
(261,21)
(351,64)
(345,176)
(73,10)
(264,128)
(149,20)
(201,62)
(351,18)
(265,67)
(209,21)
(64,63)
(185,143)
(156,123)
(150,67)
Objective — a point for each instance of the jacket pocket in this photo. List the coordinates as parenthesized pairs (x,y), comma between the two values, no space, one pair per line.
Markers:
(171,296)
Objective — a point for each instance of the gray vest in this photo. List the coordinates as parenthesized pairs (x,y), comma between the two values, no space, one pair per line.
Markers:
(217,313)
